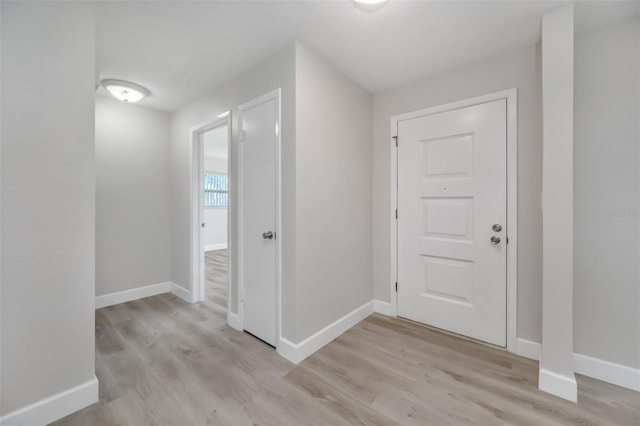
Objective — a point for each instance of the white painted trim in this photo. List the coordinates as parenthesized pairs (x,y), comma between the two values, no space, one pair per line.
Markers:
(219,246)
(231,211)
(196,207)
(616,374)
(277,96)
(559,385)
(511,96)
(234,321)
(393,206)
(528,349)
(296,352)
(54,407)
(132,294)
(638,121)
(141,293)
(512,218)
(381,307)
(181,292)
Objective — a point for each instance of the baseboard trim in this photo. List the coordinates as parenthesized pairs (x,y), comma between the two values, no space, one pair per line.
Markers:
(233,320)
(142,292)
(383,308)
(528,349)
(219,246)
(616,374)
(296,352)
(181,292)
(133,294)
(55,407)
(559,385)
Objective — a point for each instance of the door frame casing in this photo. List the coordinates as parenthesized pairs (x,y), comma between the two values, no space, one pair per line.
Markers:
(275,95)
(511,97)
(196,218)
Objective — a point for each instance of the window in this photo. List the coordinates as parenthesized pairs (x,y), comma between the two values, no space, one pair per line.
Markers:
(216,190)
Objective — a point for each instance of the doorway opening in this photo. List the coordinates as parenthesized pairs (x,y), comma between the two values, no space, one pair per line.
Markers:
(215,195)
(210,206)
(244,265)
(454,220)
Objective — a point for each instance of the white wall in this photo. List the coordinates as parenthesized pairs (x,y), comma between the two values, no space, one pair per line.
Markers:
(218,165)
(277,71)
(333,194)
(215,218)
(215,232)
(48,274)
(326,169)
(556,357)
(133,236)
(606,204)
(520,69)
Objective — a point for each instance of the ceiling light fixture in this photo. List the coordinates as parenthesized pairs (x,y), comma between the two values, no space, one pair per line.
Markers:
(369,6)
(124,90)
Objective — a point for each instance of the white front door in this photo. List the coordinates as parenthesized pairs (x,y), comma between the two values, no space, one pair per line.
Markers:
(259,126)
(452,221)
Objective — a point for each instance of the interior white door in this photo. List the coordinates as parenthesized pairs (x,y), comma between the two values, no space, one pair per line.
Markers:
(452,209)
(258,218)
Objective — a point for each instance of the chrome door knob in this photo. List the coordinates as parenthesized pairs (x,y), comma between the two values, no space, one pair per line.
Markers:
(267,235)
(497,228)
(495,240)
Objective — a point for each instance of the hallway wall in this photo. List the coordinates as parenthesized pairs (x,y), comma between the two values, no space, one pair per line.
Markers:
(133,235)
(47,331)
(606,194)
(276,71)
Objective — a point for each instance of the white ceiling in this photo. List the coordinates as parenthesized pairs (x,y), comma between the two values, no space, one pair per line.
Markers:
(180,49)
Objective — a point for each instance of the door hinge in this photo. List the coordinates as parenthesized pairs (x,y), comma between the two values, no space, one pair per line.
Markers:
(396,140)
(243,135)
(396,286)
(396,214)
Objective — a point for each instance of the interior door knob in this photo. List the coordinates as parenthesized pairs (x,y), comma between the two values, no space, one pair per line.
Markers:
(267,235)
(495,240)
(497,227)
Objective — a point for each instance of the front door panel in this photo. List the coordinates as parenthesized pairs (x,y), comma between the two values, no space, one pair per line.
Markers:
(451,192)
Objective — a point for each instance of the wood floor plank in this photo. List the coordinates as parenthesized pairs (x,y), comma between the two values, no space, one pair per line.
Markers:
(162,361)
(346,406)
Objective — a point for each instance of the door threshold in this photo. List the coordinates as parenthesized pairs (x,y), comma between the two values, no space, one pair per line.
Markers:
(263,341)
(451,333)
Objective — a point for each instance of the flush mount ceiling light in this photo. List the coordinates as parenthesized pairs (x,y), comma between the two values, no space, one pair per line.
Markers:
(369,6)
(124,90)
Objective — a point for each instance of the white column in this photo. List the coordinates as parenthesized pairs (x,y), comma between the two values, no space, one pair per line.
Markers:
(556,362)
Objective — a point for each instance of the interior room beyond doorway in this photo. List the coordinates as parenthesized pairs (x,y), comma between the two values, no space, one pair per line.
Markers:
(215,201)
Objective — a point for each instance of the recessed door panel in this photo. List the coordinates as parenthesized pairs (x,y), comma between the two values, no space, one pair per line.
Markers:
(448,157)
(448,218)
(448,279)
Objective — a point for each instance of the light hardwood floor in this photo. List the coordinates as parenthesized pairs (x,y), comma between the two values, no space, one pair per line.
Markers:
(215,266)
(162,361)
